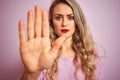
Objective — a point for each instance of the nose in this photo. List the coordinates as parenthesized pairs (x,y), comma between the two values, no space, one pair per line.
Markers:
(65,22)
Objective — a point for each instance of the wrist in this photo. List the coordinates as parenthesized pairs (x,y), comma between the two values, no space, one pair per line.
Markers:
(30,76)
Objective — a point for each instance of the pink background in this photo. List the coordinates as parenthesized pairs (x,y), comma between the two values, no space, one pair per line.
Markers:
(103,16)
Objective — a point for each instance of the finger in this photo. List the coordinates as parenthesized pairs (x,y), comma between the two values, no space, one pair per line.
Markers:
(56,46)
(22,33)
(30,25)
(38,21)
(45,24)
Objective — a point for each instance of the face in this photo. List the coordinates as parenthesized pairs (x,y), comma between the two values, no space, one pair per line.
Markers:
(63,20)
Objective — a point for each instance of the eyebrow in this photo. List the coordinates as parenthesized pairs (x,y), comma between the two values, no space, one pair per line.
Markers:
(62,15)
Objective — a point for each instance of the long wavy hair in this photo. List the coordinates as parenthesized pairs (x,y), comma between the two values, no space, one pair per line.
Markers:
(83,43)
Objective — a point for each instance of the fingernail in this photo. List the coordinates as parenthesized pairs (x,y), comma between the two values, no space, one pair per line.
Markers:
(21,22)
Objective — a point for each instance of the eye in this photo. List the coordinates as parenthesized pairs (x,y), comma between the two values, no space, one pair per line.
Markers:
(58,17)
(70,17)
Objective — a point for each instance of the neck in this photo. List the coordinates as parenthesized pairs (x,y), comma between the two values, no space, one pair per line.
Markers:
(67,44)
(66,49)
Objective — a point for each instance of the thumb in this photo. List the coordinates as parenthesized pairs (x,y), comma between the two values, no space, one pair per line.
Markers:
(56,46)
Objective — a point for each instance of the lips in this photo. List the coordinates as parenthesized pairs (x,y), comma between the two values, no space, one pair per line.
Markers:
(64,30)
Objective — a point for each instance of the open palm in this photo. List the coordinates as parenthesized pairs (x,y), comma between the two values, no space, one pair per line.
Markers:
(36,52)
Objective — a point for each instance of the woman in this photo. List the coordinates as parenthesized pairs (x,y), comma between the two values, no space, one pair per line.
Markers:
(67,53)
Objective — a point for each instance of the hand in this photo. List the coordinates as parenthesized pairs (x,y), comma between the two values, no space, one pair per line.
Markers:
(37,52)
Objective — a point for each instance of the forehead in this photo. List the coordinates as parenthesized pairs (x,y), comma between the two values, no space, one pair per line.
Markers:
(62,8)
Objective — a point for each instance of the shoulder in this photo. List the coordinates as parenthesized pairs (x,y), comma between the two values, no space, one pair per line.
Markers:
(99,69)
(42,75)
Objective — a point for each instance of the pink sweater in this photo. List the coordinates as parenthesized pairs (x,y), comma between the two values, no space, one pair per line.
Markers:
(67,68)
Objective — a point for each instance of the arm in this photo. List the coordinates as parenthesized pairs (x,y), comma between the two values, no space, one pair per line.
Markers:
(99,70)
(30,76)
(36,52)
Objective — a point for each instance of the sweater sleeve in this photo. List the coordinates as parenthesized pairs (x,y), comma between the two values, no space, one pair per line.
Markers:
(42,75)
(99,70)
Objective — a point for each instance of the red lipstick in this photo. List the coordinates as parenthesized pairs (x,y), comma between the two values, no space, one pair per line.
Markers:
(64,30)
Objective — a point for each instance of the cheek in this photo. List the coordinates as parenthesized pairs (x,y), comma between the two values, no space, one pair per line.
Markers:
(73,26)
(56,26)
(57,29)
(73,30)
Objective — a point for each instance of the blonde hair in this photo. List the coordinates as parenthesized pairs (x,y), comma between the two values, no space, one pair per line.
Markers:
(83,43)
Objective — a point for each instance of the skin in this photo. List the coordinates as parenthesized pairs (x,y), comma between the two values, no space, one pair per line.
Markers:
(35,53)
(63,18)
